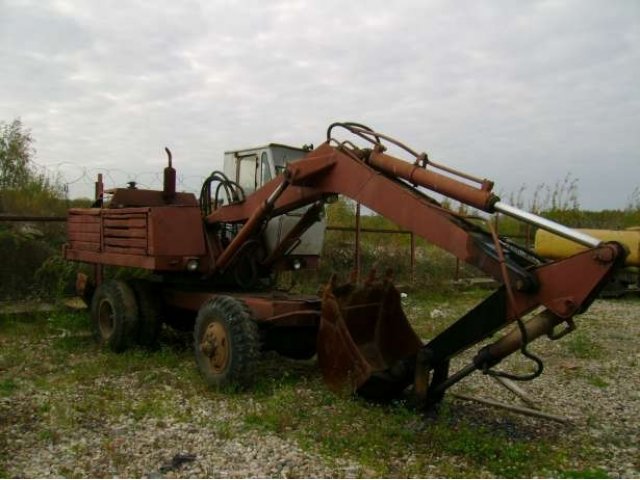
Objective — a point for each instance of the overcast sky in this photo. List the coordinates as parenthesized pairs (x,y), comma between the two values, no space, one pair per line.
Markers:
(520,92)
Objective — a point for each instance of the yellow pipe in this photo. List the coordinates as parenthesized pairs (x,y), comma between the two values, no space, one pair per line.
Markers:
(552,246)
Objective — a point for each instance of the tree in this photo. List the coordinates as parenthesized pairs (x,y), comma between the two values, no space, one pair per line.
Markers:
(24,190)
(633,204)
(16,153)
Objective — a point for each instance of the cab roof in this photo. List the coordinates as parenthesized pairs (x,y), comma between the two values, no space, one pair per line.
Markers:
(264,147)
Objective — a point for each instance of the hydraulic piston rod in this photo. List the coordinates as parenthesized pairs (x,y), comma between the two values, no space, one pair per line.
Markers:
(548,225)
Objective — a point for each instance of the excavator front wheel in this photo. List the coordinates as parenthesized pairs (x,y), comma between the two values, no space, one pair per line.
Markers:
(226,343)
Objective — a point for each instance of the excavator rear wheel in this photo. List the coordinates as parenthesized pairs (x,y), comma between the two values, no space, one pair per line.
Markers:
(150,309)
(114,314)
(226,343)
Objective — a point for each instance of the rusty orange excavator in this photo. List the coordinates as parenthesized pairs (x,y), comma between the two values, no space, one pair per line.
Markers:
(211,261)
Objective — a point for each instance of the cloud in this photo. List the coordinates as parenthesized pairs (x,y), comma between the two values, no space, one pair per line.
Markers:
(517,92)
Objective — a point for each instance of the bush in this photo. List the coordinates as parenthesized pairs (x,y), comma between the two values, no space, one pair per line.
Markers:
(20,258)
(31,264)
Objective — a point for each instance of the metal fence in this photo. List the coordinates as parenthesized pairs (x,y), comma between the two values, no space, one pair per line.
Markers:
(357,231)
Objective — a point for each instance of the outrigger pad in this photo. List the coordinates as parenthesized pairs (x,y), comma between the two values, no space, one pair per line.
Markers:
(365,343)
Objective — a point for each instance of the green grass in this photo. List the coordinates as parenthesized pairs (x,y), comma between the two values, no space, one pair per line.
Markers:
(7,387)
(588,473)
(597,382)
(61,379)
(581,346)
(432,312)
(380,437)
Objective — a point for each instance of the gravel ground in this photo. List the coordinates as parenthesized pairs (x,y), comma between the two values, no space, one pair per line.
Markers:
(596,388)
(152,449)
(213,443)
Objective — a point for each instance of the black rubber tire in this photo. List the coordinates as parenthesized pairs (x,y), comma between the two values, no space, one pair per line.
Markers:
(233,319)
(150,313)
(114,315)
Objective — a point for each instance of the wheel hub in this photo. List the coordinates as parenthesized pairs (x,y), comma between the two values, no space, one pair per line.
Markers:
(215,346)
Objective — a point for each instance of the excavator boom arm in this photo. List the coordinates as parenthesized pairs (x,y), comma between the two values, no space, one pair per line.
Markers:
(330,170)
(393,188)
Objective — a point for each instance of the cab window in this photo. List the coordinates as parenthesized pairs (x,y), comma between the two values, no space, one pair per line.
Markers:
(247,172)
(265,168)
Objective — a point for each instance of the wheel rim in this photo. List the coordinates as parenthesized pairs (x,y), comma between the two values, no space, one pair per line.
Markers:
(106,321)
(215,347)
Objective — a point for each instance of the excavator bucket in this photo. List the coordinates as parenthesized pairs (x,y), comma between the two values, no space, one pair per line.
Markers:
(365,343)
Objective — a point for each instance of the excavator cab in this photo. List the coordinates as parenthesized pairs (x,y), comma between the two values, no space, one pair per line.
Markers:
(255,167)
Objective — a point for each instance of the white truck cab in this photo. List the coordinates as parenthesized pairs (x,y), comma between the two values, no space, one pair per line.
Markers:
(254,167)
